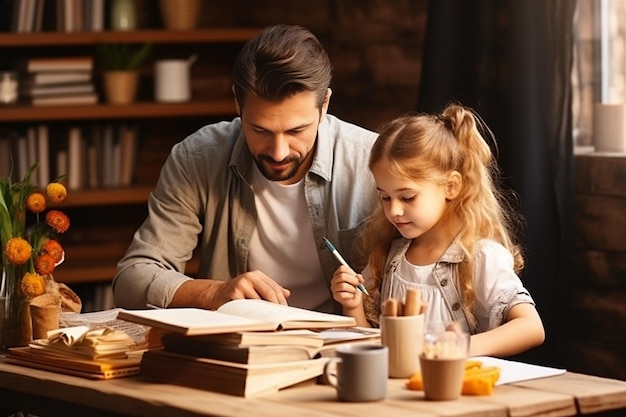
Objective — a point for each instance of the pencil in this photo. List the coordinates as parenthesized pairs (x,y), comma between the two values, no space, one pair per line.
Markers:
(343,262)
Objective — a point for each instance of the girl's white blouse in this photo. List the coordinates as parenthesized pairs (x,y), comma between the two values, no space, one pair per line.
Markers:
(494,276)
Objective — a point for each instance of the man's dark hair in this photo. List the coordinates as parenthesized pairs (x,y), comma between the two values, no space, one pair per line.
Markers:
(279,62)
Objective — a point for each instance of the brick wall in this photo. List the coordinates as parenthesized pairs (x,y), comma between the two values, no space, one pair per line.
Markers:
(375,47)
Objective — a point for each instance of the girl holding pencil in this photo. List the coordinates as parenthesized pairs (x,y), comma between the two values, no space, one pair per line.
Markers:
(446,228)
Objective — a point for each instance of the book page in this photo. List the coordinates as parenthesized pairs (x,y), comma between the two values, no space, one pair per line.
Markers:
(343,335)
(193,320)
(512,371)
(278,313)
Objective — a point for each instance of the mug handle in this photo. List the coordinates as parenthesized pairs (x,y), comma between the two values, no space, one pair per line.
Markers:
(330,371)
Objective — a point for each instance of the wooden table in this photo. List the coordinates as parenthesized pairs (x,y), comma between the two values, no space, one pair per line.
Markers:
(49,394)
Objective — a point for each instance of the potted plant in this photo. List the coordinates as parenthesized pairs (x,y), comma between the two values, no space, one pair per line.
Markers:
(120,65)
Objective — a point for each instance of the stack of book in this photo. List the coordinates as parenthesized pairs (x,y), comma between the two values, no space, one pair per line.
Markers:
(103,353)
(60,80)
(246,348)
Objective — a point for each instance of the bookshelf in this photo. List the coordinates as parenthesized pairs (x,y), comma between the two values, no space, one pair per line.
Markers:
(104,219)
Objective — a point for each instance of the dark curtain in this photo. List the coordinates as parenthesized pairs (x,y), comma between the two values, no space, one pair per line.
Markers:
(511,61)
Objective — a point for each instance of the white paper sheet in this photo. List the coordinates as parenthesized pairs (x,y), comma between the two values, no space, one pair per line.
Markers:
(512,371)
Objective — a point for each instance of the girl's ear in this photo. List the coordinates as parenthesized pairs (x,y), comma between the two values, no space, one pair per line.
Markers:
(454,182)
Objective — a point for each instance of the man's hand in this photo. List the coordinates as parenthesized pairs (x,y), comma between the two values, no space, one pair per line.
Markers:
(210,293)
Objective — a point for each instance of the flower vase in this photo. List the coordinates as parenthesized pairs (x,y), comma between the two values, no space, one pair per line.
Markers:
(15,321)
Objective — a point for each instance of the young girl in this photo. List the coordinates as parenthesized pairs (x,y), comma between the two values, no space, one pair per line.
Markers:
(443,226)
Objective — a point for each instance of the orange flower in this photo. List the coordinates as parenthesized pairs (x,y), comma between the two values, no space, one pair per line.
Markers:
(44,264)
(58,221)
(33,284)
(18,251)
(36,202)
(56,192)
(54,249)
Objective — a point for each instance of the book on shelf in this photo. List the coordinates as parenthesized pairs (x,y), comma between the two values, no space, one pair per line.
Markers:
(61,77)
(6,165)
(22,155)
(61,163)
(267,347)
(62,63)
(128,150)
(26,16)
(65,89)
(94,15)
(84,98)
(94,155)
(31,148)
(75,157)
(245,380)
(43,155)
(107,368)
(24,12)
(236,315)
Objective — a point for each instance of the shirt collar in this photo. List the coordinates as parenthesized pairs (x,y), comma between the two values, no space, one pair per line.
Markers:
(323,159)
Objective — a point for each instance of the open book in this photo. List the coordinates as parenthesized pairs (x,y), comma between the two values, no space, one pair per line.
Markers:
(234,316)
(83,342)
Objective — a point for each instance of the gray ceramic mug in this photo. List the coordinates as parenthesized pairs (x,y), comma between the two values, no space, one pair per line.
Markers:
(359,372)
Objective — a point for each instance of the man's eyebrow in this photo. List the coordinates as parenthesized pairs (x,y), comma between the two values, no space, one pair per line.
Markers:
(302,126)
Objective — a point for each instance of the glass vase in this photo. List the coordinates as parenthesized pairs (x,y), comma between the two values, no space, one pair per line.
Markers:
(15,322)
(123,15)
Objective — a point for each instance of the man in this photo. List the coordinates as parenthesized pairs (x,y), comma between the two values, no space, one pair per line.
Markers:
(257,193)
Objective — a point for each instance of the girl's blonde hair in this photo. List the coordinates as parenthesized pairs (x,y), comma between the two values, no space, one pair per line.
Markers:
(427,147)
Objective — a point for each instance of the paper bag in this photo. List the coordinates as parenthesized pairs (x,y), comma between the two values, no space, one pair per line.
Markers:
(45,311)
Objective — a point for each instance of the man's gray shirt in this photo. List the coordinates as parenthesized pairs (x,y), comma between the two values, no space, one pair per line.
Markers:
(203,197)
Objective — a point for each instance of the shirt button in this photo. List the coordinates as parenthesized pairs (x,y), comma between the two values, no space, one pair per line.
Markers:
(444,282)
(456,306)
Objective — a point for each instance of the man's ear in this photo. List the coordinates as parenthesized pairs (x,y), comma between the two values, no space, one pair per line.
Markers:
(237,106)
(454,182)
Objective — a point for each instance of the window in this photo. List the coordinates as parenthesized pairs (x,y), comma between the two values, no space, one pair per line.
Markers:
(599,71)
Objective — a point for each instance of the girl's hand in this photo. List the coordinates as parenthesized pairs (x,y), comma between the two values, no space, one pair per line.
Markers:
(344,288)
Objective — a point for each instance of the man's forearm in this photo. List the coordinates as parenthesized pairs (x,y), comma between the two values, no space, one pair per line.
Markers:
(198,293)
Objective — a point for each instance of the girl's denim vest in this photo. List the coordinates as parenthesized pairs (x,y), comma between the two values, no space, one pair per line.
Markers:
(444,274)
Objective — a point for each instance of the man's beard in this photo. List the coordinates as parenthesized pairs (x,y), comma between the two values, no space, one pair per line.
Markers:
(273,175)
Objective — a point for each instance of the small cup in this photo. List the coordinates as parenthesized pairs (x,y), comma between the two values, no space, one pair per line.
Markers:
(403,335)
(442,378)
(359,372)
(171,81)
(443,360)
